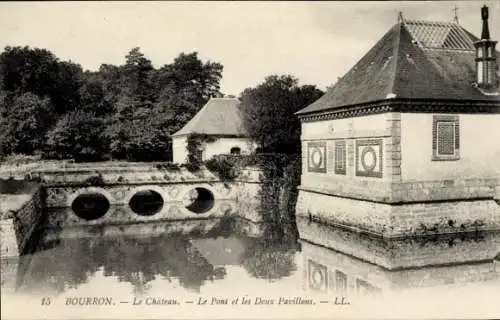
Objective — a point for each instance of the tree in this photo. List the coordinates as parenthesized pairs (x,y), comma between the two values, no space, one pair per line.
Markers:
(135,77)
(65,92)
(78,135)
(109,77)
(92,96)
(132,109)
(184,86)
(153,104)
(38,71)
(133,104)
(28,70)
(23,124)
(268,112)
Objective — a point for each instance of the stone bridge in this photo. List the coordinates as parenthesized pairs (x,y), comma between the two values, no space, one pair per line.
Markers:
(116,193)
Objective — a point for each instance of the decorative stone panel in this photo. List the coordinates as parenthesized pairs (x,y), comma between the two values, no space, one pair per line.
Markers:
(369,158)
(316,156)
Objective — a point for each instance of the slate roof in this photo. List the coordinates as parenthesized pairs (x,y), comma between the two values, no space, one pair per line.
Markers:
(413,60)
(219,116)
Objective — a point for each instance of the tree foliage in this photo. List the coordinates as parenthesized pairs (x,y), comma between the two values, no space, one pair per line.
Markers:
(269,112)
(127,111)
(25,119)
(78,135)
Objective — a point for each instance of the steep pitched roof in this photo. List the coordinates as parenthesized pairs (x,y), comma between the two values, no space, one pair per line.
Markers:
(413,60)
(219,116)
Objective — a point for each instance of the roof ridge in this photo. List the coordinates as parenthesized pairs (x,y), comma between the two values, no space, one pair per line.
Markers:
(395,58)
(436,22)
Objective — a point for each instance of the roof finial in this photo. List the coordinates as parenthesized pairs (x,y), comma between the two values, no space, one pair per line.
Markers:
(455,10)
(485,35)
(400,17)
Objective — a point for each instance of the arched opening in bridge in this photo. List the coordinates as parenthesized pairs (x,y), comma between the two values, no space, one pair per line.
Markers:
(236,151)
(200,200)
(146,203)
(90,206)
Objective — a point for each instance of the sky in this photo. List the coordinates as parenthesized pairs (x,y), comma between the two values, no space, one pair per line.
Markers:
(317,42)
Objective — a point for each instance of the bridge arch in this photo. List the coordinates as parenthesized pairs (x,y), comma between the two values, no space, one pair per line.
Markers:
(145,187)
(91,203)
(88,190)
(199,199)
(138,191)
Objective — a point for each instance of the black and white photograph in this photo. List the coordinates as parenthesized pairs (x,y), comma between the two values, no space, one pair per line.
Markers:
(250,159)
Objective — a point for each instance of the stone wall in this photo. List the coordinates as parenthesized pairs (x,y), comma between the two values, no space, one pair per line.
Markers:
(129,174)
(409,173)
(19,222)
(406,192)
(248,186)
(479,153)
(382,128)
(400,220)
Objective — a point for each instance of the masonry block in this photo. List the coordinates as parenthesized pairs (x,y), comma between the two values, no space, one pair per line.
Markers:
(402,219)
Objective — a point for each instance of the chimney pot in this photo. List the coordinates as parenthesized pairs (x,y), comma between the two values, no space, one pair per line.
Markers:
(486,60)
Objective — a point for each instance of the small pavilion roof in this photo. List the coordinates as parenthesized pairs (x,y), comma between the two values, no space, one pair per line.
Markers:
(219,116)
(413,60)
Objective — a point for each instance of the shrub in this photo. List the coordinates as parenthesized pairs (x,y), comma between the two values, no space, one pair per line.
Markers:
(95,180)
(192,166)
(194,148)
(226,168)
(168,166)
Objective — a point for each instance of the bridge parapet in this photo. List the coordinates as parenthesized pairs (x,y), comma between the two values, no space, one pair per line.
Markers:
(121,176)
(97,174)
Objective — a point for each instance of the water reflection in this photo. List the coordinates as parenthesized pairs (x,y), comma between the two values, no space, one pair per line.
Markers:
(261,260)
(367,265)
(194,254)
(191,254)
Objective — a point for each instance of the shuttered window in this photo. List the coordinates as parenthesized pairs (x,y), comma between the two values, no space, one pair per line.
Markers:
(446,138)
(340,157)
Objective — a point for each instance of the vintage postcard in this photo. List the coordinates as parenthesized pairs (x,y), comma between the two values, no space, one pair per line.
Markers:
(250,160)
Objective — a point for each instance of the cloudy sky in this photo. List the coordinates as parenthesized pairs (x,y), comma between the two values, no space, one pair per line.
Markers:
(314,41)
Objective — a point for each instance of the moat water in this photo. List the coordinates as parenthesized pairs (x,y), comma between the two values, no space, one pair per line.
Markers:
(231,269)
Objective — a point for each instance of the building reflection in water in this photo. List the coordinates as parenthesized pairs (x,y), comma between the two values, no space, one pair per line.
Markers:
(343,263)
(191,254)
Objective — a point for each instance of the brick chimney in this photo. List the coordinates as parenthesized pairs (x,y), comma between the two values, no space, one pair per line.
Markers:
(486,60)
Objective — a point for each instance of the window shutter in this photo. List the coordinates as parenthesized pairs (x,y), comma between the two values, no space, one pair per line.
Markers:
(445,137)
